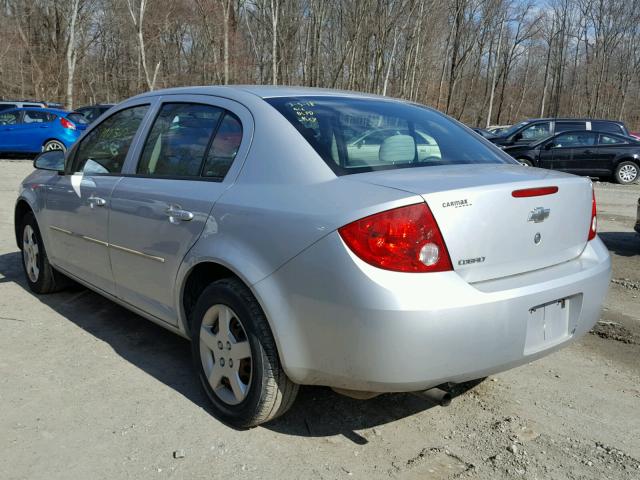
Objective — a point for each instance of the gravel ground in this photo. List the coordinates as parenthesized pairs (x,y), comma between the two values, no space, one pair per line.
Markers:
(91,391)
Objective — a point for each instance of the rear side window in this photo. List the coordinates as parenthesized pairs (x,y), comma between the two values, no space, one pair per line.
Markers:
(105,148)
(611,127)
(570,126)
(611,140)
(178,140)
(224,147)
(34,116)
(355,135)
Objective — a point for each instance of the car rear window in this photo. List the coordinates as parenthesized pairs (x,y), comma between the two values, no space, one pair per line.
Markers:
(356,135)
(78,118)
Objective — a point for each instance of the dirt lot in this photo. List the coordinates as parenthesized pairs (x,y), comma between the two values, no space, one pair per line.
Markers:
(89,390)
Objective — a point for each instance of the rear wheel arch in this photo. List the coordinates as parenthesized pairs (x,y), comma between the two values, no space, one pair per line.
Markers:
(21,210)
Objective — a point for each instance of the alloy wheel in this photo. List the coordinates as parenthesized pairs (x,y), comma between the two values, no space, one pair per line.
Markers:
(225,354)
(50,146)
(30,251)
(628,173)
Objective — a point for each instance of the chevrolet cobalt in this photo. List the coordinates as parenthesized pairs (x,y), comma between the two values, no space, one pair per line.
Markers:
(315,237)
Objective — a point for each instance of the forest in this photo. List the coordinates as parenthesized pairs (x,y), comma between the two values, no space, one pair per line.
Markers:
(484,62)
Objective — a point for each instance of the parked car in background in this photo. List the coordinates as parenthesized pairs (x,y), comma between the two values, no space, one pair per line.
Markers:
(635,135)
(240,217)
(11,104)
(93,112)
(530,131)
(483,132)
(585,153)
(637,225)
(33,130)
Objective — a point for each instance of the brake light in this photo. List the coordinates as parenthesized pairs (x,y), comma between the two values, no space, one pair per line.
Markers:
(67,124)
(405,239)
(593,226)
(534,192)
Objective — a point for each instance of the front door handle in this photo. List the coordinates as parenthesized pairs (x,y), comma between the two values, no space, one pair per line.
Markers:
(96,201)
(177,215)
(588,152)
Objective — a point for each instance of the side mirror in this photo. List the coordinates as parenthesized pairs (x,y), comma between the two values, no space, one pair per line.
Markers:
(517,137)
(549,146)
(52,160)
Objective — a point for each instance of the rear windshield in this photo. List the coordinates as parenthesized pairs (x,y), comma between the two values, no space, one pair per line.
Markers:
(356,135)
(78,118)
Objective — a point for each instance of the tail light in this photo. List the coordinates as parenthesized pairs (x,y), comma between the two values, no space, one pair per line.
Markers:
(593,226)
(405,239)
(67,124)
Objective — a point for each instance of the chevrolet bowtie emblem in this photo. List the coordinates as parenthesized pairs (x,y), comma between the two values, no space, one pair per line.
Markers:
(539,214)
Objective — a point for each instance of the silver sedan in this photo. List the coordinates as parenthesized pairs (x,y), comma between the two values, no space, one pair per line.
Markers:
(302,237)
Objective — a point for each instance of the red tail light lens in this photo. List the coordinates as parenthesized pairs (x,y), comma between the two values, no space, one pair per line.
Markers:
(67,124)
(405,239)
(593,226)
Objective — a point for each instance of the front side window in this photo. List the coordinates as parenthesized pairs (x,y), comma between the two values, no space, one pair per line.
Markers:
(105,148)
(178,140)
(574,139)
(9,118)
(354,135)
(537,131)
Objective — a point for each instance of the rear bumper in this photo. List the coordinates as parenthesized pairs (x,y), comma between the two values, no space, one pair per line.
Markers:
(343,323)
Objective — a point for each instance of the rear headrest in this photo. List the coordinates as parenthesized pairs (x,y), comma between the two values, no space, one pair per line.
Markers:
(398,148)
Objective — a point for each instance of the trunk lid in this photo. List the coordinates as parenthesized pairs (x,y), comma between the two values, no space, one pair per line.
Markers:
(489,233)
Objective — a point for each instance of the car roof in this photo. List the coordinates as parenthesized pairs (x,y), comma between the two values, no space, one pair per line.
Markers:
(565,119)
(262,91)
(37,109)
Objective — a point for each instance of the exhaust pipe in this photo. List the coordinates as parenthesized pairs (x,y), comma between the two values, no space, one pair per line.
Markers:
(436,395)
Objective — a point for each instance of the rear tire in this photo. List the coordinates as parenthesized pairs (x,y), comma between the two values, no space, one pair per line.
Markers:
(229,326)
(626,172)
(53,145)
(41,276)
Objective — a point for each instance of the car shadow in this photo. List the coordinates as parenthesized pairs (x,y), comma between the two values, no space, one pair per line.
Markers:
(317,412)
(625,244)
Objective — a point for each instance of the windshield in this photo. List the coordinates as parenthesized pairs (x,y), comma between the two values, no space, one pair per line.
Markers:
(512,129)
(78,118)
(356,135)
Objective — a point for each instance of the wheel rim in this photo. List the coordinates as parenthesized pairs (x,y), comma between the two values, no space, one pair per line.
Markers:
(628,173)
(225,354)
(524,163)
(30,251)
(53,146)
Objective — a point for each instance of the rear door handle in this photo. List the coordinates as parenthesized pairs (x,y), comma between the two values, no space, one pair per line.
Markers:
(177,215)
(96,201)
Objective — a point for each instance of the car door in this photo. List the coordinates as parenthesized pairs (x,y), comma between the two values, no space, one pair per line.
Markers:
(9,122)
(78,203)
(160,209)
(574,151)
(34,129)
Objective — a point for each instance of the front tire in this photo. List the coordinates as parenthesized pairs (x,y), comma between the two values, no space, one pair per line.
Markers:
(236,358)
(626,172)
(41,276)
(525,162)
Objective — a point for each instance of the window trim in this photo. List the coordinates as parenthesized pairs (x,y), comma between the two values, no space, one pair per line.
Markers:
(196,178)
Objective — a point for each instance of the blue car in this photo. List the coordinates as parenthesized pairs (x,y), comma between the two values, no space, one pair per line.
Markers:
(34,130)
